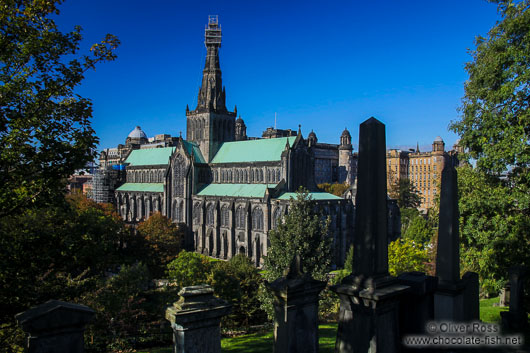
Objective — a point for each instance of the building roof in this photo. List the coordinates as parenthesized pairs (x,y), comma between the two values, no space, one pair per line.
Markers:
(146,187)
(150,156)
(137,133)
(235,190)
(263,150)
(192,148)
(317,196)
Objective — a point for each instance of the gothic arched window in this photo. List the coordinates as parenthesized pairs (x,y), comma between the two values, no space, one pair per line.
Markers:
(240,217)
(178,176)
(257,219)
(229,176)
(278,175)
(225,216)
(261,175)
(276,217)
(210,218)
(197,213)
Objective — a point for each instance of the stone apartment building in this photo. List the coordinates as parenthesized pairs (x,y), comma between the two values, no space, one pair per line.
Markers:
(423,169)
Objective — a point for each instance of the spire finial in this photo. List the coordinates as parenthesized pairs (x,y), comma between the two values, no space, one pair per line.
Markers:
(180,134)
(299,128)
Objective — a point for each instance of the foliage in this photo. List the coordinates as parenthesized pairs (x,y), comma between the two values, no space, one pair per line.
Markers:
(405,255)
(495,235)
(189,269)
(416,227)
(118,305)
(237,281)
(45,132)
(335,188)
(348,263)
(405,193)
(303,232)
(495,130)
(164,239)
(56,253)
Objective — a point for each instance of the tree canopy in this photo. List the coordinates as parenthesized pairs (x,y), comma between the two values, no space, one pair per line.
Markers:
(304,232)
(494,129)
(45,132)
(405,193)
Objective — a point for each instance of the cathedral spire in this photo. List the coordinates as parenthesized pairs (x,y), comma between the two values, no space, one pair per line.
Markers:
(212,94)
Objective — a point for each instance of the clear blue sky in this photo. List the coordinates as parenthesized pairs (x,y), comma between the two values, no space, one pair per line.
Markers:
(323,64)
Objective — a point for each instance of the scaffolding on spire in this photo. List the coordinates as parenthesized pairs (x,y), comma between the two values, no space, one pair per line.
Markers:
(212,33)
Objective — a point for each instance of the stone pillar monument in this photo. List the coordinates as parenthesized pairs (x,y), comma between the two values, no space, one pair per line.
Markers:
(195,320)
(296,311)
(455,299)
(368,318)
(55,327)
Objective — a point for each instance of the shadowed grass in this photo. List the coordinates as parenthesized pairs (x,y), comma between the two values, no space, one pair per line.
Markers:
(490,313)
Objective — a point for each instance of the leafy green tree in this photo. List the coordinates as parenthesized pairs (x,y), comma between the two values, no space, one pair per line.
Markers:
(495,131)
(237,281)
(495,235)
(406,255)
(119,305)
(45,132)
(405,193)
(415,226)
(189,269)
(303,232)
(336,189)
(348,263)
(56,253)
(164,239)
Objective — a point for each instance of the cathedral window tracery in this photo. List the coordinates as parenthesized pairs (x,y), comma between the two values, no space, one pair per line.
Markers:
(276,217)
(225,216)
(257,218)
(197,213)
(210,218)
(240,217)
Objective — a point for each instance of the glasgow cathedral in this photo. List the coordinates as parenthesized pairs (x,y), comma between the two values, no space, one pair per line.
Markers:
(229,189)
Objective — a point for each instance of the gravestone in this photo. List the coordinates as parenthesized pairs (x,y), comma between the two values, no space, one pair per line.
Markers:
(417,307)
(195,320)
(369,297)
(55,327)
(455,299)
(516,318)
(504,299)
(296,310)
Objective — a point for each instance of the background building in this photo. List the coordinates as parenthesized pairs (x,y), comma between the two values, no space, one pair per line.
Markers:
(423,169)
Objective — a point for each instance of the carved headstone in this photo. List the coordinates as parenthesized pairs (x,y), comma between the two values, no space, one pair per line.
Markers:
(296,310)
(516,318)
(195,320)
(55,327)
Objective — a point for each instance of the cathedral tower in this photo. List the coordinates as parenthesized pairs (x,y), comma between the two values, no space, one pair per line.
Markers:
(211,124)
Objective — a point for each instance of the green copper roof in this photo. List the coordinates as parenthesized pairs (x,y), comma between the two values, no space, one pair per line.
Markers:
(317,196)
(147,187)
(235,190)
(150,156)
(263,150)
(193,148)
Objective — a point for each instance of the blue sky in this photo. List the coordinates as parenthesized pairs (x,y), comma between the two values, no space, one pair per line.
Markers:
(323,64)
